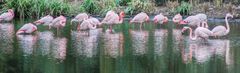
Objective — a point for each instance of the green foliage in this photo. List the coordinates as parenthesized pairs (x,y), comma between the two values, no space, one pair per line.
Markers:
(184,8)
(136,6)
(37,8)
(122,2)
(107,5)
(90,6)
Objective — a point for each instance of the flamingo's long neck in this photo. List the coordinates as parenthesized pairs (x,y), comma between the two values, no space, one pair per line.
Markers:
(191,35)
(227,25)
(120,19)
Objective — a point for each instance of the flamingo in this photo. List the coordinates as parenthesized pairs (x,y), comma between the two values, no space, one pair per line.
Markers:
(192,21)
(80,17)
(112,18)
(86,25)
(27,29)
(221,30)
(203,24)
(94,21)
(160,19)
(140,18)
(177,18)
(8,16)
(58,22)
(195,20)
(45,20)
(201,32)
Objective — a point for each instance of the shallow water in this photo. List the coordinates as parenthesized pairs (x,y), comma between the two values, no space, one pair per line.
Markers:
(155,49)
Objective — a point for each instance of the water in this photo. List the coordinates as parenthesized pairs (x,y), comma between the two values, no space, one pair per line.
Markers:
(155,49)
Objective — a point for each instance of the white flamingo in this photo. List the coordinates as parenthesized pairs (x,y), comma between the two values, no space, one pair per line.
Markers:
(201,32)
(8,16)
(140,18)
(27,29)
(221,30)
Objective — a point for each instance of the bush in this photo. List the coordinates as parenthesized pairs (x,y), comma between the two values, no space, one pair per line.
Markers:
(184,8)
(36,8)
(90,6)
(136,6)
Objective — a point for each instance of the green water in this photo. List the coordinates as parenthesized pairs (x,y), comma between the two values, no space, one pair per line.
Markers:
(155,49)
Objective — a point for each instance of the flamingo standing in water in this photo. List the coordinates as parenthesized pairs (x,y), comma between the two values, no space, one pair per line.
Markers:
(221,30)
(58,22)
(8,16)
(27,29)
(112,18)
(46,20)
(196,20)
(80,17)
(140,18)
(201,32)
(86,25)
(94,21)
(160,19)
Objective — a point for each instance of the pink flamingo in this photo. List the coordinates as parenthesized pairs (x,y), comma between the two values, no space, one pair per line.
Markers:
(221,30)
(177,18)
(160,19)
(27,29)
(112,18)
(201,32)
(80,17)
(94,21)
(8,16)
(86,25)
(203,24)
(140,18)
(45,20)
(58,22)
(192,21)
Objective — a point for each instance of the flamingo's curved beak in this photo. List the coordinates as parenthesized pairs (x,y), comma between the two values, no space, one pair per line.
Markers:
(182,22)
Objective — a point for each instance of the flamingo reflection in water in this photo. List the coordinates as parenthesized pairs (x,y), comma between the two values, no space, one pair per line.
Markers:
(59,47)
(113,44)
(27,43)
(6,38)
(202,52)
(86,45)
(160,37)
(44,42)
(139,44)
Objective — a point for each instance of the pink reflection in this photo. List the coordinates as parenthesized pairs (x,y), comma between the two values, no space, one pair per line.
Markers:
(27,43)
(44,42)
(59,46)
(160,37)
(86,45)
(139,42)
(6,38)
(113,44)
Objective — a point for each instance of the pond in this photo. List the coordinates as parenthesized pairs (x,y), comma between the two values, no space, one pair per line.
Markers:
(154,49)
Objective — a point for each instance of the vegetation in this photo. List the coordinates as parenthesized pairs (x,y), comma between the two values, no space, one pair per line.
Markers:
(38,8)
(184,8)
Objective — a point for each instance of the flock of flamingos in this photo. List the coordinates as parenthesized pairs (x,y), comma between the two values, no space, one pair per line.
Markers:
(197,24)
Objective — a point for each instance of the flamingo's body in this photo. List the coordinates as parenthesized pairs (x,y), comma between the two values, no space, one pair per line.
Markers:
(46,20)
(86,24)
(59,22)
(112,18)
(27,28)
(201,32)
(202,17)
(8,16)
(80,17)
(140,18)
(221,30)
(192,21)
(160,19)
(94,21)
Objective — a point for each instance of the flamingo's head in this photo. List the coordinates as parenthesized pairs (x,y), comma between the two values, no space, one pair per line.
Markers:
(229,15)
(34,28)
(183,22)
(177,18)
(122,14)
(185,28)
(165,19)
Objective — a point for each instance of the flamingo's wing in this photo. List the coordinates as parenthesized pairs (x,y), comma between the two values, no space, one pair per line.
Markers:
(138,18)
(47,19)
(202,17)
(203,32)
(81,16)
(84,25)
(108,16)
(219,30)
(4,15)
